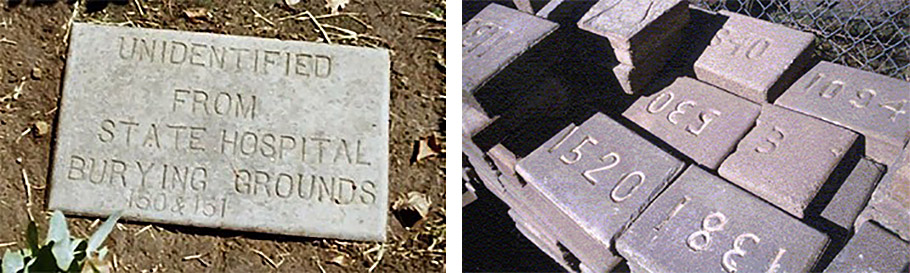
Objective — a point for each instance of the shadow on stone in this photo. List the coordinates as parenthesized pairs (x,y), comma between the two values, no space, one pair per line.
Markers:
(696,37)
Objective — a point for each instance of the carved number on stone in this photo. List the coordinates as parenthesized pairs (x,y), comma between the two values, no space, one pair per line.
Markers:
(897,107)
(706,228)
(715,222)
(482,36)
(775,264)
(577,150)
(679,111)
(826,89)
(611,160)
(748,45)
(705,118)
(661,101)
(773,139)
(863,98)
(727,261)
(829,89)
(627,177)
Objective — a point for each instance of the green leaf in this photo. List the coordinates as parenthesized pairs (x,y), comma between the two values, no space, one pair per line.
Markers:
(63,253)
(57,230)
(31,236)
(78,248)
(101,234)
(101,253)
(12,262)
(43,260)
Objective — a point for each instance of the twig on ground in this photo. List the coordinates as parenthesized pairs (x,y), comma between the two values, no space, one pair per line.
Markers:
(28,188)
(142,230)
(423,16)
(381,249)
(24,132)
(319,263)
(318,25)
(266,257)
(431,38)
(139,7)
(69,23)
(197,257)
(258,15)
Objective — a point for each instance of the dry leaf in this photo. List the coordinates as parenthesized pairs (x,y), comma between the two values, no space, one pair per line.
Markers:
(341,260)
(42,128)
(419,202)
(94,265)
(36,73)
(196,14)
(438,144)
(424,150)
(335,6)
(429,146)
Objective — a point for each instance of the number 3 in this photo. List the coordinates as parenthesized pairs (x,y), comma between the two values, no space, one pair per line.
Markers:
(728,262)
(679,110)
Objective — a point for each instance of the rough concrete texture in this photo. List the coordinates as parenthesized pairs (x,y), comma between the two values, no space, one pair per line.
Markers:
(636,24)
(600,175)
(224,131)
(700,120)
(872,249)
(853,194)
(890,203)
(871,104)
(702,223)
(754,59)
(771,161)
(494,38)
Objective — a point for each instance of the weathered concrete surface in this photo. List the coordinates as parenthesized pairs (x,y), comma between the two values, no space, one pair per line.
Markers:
(494,38)
(577,247)
(853,194)
(599,175)
(643,34)
(873,105)
(872,249)
(634,79)
(890,203)
(753,58)
(635,25)
(225,132)
(656,45)
(787,157)
(702,223)
(700,120)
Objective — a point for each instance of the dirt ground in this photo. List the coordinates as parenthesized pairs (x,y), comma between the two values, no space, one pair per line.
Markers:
(32,46)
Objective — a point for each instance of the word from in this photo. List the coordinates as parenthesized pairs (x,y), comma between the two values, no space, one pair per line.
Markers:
(210,103)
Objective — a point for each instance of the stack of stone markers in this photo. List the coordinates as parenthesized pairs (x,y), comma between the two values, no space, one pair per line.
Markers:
(817,179)
(643,34)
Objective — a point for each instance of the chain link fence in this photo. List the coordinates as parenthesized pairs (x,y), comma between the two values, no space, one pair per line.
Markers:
(872,35)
